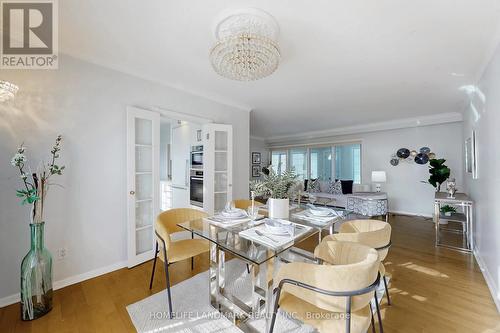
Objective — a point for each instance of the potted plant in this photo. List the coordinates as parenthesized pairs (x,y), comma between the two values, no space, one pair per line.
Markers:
(36,267)
(277,188)
(439,173)
(447,210)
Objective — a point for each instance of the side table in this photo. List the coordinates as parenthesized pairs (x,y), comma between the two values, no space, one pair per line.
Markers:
(368,204)
(464,216)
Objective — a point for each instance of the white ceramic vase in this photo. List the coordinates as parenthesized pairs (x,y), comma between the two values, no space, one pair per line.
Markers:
(278,208)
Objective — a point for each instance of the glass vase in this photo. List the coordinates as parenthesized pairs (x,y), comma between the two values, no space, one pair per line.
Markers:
(36,277)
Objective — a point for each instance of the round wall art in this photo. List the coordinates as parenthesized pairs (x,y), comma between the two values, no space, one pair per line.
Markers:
(422,156)
(403,153)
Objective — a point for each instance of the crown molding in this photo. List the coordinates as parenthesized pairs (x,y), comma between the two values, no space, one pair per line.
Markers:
(211,97)
(441,118)
(254,137)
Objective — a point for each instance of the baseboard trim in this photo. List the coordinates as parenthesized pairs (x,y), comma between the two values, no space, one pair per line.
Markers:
(495,294)
(400,212)
(8,300)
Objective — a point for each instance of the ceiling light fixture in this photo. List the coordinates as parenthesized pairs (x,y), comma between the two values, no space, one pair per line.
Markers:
(7,90)
(246,47)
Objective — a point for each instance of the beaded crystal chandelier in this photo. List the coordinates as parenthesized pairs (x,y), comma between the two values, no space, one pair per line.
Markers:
(246,47)
(7,90)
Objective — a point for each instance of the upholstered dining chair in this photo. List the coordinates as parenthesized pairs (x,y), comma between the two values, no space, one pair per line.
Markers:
(245,203)
(334,296)
(171,251)
(374,233)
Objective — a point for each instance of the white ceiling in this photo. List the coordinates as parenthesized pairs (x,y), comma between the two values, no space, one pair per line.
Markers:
(343,62)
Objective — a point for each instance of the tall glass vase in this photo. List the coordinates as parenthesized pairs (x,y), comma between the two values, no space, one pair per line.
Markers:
(36,277)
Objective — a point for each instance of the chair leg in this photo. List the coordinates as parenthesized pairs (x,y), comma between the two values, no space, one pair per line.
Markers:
(378,313)
(167,275)
(275,311)
(154,266)
(373,320)
(192,259)
(248,269)
(387,291)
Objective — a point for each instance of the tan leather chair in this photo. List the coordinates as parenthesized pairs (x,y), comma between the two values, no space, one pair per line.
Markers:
(334,296)
(173,251)
(245,203)
(374,233)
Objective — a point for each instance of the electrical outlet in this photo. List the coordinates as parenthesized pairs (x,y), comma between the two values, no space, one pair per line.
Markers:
(62,253)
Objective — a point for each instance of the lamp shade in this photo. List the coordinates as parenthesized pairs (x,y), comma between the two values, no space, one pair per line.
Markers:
(379,177)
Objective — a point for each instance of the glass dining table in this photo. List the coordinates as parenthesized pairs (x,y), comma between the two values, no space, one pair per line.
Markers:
(262,261)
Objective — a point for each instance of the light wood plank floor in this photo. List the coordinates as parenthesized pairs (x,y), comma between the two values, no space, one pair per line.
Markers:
(433,290)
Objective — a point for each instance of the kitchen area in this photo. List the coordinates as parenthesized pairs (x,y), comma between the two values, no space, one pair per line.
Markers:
(181,164)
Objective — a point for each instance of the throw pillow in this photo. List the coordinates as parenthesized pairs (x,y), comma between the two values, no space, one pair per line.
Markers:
(346,186)
(313,185)
(335,187)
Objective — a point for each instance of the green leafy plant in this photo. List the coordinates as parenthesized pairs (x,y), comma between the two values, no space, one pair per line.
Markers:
(274,185)
(36,184)
(439,172)
(448,208)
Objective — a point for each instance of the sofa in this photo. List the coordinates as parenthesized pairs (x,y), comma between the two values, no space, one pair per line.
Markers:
(340,199)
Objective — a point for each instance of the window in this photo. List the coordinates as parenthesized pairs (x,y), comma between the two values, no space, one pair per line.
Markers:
(321,163)
(341,161)
(278,161)
(348,162)
(298,161)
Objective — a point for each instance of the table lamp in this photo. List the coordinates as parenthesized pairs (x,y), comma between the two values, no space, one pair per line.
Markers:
(377,178)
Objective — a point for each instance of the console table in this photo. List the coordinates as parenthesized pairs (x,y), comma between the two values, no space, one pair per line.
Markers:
(464,216)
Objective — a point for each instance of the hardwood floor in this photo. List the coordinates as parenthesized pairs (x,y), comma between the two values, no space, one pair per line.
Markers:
(433,290)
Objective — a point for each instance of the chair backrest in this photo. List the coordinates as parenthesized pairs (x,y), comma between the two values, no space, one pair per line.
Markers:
(245,203)
(374,233)
(355,268)
(166,222)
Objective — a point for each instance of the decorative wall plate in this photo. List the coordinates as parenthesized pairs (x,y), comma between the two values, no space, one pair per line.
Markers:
(403,153)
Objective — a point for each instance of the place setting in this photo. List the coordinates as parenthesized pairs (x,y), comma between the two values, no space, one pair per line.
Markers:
(319,215)
(274,233)
(231,216)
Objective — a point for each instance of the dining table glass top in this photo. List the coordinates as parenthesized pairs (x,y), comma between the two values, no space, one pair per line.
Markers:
(228,237)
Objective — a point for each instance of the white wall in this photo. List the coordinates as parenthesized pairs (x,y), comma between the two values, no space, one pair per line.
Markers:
(406,192)
(258,145)
(483,115)
(86,104)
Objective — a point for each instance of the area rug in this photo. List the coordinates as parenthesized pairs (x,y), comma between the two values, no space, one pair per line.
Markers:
(196,315)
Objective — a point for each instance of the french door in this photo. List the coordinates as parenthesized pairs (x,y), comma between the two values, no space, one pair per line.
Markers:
(143,182)
(217,166)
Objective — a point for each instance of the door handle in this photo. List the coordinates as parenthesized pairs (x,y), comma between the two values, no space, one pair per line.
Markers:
(132,192)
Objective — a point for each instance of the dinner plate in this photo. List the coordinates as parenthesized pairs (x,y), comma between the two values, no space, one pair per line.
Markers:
(276,227)
(310,214)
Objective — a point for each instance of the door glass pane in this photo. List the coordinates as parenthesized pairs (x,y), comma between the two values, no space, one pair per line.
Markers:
(298,161)
(144,187)
(278,161)
(221,140)
(143,131)
(143,213)
(348,162)
(220,184)
(144,240)
(321,163)
(143,159)
(220,161)
(220,200)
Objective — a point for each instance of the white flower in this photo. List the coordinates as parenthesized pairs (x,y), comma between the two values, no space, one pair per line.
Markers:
(18,159)
(24,176)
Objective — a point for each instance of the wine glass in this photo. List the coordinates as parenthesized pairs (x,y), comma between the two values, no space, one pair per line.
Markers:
(253,213)
(312,199)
